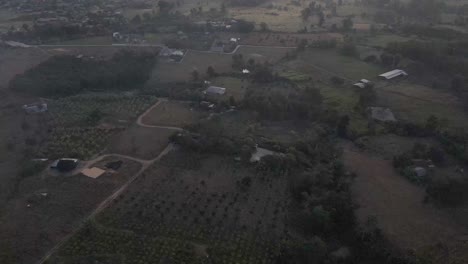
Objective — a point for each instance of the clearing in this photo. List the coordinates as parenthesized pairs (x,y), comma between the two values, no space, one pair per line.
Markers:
(141,142)
(172,114)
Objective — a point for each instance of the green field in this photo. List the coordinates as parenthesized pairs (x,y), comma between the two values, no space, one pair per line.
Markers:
(331,62)
(416,103)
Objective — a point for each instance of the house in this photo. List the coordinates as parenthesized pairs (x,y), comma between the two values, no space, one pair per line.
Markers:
(215,90)
(35,108)
(393,74)
(363,83)
(65,164)
(167,52)
(381,114)
(260,153)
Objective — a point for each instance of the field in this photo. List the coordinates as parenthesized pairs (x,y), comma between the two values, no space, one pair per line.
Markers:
(416,103)
(82,126)
(49,207)
(235,87)
(400,212)
(200,61)
(185,209)
(140,142)
(331,62)
(173,114)
(115,108)
(381,41)
(279,39)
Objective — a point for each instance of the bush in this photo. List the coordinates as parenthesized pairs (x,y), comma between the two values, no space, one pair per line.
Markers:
(349,49)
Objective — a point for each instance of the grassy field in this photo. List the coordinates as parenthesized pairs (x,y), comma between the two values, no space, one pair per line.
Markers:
(141,142)
(381,41)
(235,87)
(184,209)
(331,62)
(174,114)
(416,103)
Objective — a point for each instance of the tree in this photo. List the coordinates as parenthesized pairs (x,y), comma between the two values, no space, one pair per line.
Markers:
(210,72)
(94,116)
(223,8)
(432,123)
(305,13)
(342,128)
(321,19)
(195,75)
(136,19)
(164,6)
(347,24)
(349,49)
(457,83)
(264,27)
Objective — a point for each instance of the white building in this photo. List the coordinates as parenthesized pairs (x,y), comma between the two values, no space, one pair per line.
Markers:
(393,74)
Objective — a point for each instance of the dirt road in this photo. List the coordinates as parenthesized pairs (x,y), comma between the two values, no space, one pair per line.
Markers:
(398,205)
(113,196)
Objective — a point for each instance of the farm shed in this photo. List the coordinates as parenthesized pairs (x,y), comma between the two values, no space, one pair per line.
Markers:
(393,74)
(382,114)
(65,164)
(363,83)
(215,90)
(35,108)
(260,153)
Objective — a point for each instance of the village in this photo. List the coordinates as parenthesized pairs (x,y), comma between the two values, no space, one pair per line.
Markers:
(229,132)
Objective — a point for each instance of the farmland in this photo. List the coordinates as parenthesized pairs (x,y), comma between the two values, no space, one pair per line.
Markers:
(191,212)
(49,207)
(306,156)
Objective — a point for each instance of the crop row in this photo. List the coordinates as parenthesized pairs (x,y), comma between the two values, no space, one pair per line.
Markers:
(75,111)
(79,143)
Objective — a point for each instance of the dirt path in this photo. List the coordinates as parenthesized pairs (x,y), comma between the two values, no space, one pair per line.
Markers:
(399,208)
(113,196)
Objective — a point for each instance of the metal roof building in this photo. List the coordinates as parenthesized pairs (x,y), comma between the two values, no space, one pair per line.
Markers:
(215,90)
(392,74)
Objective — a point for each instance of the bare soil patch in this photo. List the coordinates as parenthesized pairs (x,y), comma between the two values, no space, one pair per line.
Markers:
(176,114)
(398,206)
(141,142)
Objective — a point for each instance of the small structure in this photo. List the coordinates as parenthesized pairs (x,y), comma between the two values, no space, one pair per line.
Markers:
(93,172)
(215,90)
(420,172)
(260,153)
(245,71)
(65,164)
(382,114)
(206,105)
(363,83)
(167,52)
(35,108)
(393,74)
